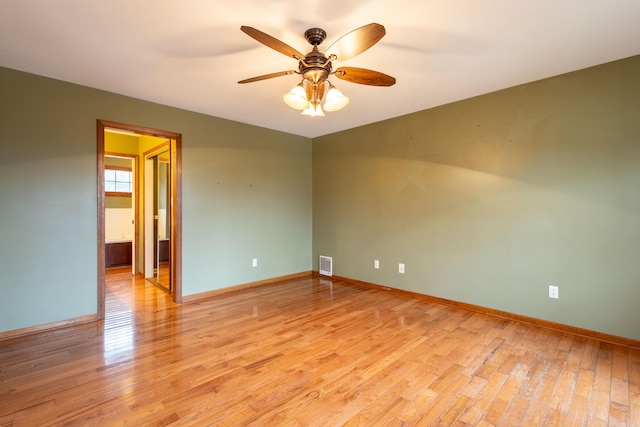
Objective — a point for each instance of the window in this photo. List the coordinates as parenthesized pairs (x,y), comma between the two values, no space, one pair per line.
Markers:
(117,181)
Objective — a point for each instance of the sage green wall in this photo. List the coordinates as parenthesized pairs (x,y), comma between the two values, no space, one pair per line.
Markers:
(246,194)
(490,200)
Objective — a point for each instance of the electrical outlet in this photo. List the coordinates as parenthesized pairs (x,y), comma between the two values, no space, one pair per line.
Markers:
(376,264)
(401,268)
(553,292)
(254,262)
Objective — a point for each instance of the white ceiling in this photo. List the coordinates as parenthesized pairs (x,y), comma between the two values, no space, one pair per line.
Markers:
(191,53)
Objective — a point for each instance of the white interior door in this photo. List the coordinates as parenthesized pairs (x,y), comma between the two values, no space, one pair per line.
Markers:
(134,255)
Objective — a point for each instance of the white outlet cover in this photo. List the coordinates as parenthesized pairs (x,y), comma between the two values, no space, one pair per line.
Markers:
(254,262)
(553,292)
(376,263)
(401,268)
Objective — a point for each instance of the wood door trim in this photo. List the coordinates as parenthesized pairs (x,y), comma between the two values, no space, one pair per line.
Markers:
(157,149)
(176,211)
(176,223)
(147,155)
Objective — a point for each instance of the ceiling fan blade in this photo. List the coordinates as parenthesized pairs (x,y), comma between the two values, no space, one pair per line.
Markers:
(356,42)
(267,76)
(272,42)
(364,76)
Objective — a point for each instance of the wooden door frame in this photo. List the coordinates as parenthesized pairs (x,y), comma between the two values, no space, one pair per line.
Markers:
(165,146)
(176,207)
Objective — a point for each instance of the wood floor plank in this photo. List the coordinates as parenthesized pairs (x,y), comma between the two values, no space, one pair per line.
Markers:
(601,389)
(310,351)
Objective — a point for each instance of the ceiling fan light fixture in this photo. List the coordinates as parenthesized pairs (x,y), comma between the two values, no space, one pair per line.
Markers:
(335,100)
(296,98)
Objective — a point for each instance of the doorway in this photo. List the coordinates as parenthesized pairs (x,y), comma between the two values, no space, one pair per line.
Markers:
(157,222)
(121,209)
(168,250)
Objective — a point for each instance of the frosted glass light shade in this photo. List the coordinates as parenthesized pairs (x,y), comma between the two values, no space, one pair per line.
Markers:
(335,100)
(317,112)
(296,98)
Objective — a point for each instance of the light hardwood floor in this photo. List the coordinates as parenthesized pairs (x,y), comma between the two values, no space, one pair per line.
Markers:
(311,352)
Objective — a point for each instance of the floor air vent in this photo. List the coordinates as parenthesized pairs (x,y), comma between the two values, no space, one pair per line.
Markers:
(326,265)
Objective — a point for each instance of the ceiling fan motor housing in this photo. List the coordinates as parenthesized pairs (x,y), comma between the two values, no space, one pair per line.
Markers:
(315,67)
(315,36)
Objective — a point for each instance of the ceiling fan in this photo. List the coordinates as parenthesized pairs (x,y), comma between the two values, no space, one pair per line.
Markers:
(315,67)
